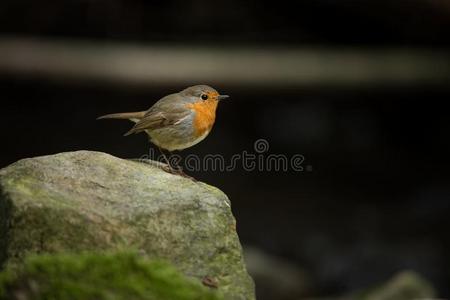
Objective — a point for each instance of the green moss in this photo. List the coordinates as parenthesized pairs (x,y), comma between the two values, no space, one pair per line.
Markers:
(5,212)
(109,276)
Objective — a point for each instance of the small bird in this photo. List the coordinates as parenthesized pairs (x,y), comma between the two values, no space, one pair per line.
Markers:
(177,121)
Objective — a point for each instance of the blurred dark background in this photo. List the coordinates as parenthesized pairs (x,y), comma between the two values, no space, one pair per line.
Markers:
(362,93)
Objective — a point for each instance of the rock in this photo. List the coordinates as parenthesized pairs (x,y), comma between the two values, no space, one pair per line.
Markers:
(83,200)
(288,282)
(405,285)
(118,276)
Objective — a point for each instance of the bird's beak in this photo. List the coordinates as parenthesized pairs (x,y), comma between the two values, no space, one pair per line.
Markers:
(222,97)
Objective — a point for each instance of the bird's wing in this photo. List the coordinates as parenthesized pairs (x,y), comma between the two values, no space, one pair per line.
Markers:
(167,111)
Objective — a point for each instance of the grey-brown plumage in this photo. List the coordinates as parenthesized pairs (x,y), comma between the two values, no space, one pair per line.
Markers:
(126,116)
(173,122)
(163,113)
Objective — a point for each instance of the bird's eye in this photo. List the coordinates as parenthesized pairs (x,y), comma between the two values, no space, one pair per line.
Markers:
(204,97)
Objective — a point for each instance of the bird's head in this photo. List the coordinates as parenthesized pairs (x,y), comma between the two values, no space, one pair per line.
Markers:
(202,93)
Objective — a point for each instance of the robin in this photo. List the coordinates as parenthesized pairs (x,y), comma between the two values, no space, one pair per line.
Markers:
(177,121)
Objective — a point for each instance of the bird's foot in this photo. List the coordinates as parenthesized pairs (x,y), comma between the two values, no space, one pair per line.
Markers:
(177,171)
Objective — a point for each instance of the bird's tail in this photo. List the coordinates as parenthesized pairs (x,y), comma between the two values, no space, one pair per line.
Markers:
(132,116)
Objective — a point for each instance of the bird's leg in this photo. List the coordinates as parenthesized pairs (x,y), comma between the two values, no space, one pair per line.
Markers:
(166,160)
(178,170)
(177,166)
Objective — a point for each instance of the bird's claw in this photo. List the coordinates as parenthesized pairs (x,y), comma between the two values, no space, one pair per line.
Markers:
(177,171)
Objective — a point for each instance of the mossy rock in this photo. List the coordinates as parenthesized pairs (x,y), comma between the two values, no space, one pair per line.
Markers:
(92,201)
(89,276)
(405,285)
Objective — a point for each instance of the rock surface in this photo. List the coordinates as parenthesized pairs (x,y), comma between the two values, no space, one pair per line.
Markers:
(85,200)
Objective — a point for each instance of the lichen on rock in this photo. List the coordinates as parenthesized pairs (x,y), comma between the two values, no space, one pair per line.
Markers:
(79,201)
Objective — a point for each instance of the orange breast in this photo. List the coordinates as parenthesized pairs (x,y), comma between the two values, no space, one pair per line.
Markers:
(205,115)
